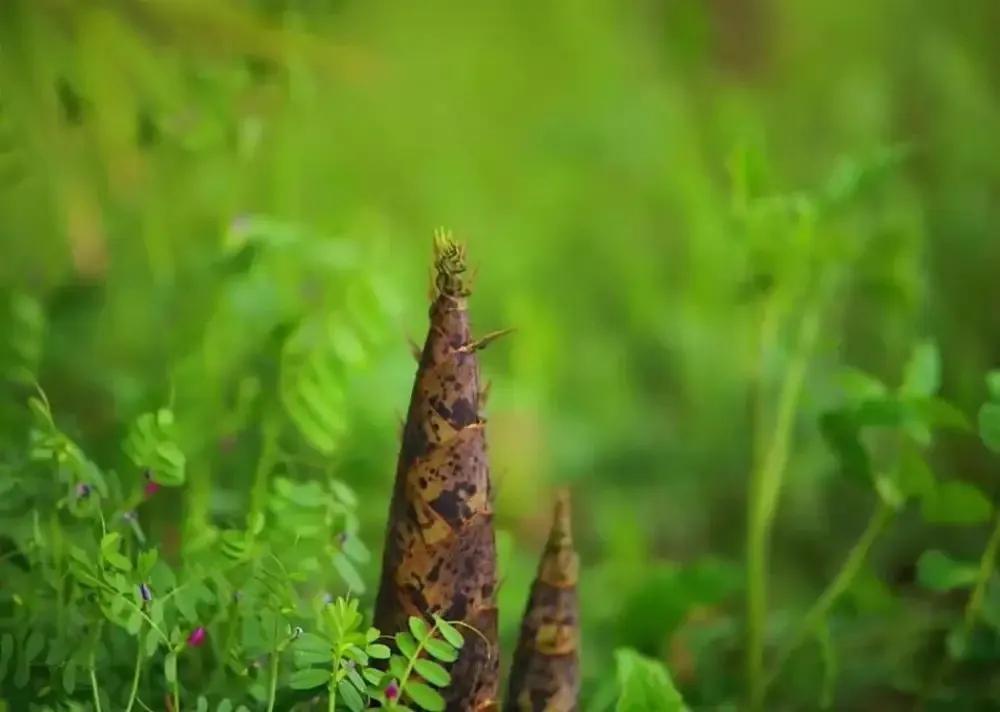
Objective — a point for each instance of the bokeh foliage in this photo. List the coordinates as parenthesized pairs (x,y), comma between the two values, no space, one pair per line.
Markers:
(227,207)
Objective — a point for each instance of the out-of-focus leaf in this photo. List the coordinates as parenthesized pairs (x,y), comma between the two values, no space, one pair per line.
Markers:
(958,503)
(922,375)
(989,425)
(939,572)
(645,685)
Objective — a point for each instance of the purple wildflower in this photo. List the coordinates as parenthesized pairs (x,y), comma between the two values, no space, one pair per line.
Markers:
(82,490)
(145,592)
(197,637)
(392,691)
(151,488)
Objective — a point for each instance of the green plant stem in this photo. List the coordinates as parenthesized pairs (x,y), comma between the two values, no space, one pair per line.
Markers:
(177,692)
(835,589)
(766,479)
(275,658)
(335,670)
(137,673)
(93,670)
(987,565)
(411,662)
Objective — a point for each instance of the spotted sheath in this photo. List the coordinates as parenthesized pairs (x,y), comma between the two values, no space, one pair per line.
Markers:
(440,552)
(545,676)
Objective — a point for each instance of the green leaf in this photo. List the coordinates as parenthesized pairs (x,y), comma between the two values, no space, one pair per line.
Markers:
(939,572)
(881,413)
(419,628)
(913,477)
(202,704)
(441,650)
(170,667)
(350,696)
(922,375)
(860,386)
(993,384)
(957,503)
(645,685)
(224,706)
(69,677)
(432,672)
(347,572)
(939,413)
(151,643)
(989,425)
(6,653)
(117,560)
(406,644)
(146,562)
(308,678)
(425,696)
(397,666)
(889,491)
(110,542)
(378,651)
(33,646)
(449,632)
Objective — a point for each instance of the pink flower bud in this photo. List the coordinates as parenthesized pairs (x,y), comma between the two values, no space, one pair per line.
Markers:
(197,637)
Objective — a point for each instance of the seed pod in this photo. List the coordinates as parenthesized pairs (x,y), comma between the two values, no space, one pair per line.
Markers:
(545,676)
(440,551)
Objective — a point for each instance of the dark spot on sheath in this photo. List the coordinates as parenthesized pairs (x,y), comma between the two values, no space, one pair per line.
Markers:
(447,505)
(434,573)
(463,413)
(457,609)
(423,482)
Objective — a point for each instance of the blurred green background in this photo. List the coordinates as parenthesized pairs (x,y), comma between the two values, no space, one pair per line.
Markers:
(199,200)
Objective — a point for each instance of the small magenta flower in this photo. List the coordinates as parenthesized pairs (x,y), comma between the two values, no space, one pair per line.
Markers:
(145,593)
(151,488)
(82,490)
(392,691)
(197,637)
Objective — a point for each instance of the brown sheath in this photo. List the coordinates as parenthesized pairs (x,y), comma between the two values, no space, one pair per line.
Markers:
(545,676)
(440,553)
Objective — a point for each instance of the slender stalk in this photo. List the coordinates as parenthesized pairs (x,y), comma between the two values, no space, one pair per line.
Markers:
(93,670)
(333,683)
(973,608)
(987,565)
(765,487)
(177,694)
(849,570)
(410,663)
(138,672)
(275,656)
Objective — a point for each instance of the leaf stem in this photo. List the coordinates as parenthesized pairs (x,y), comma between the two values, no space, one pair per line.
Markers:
(93,669)
(138,671)
(275,658)
(335,670)
(765,487)
(835,589)
(411,662)
(987,565)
